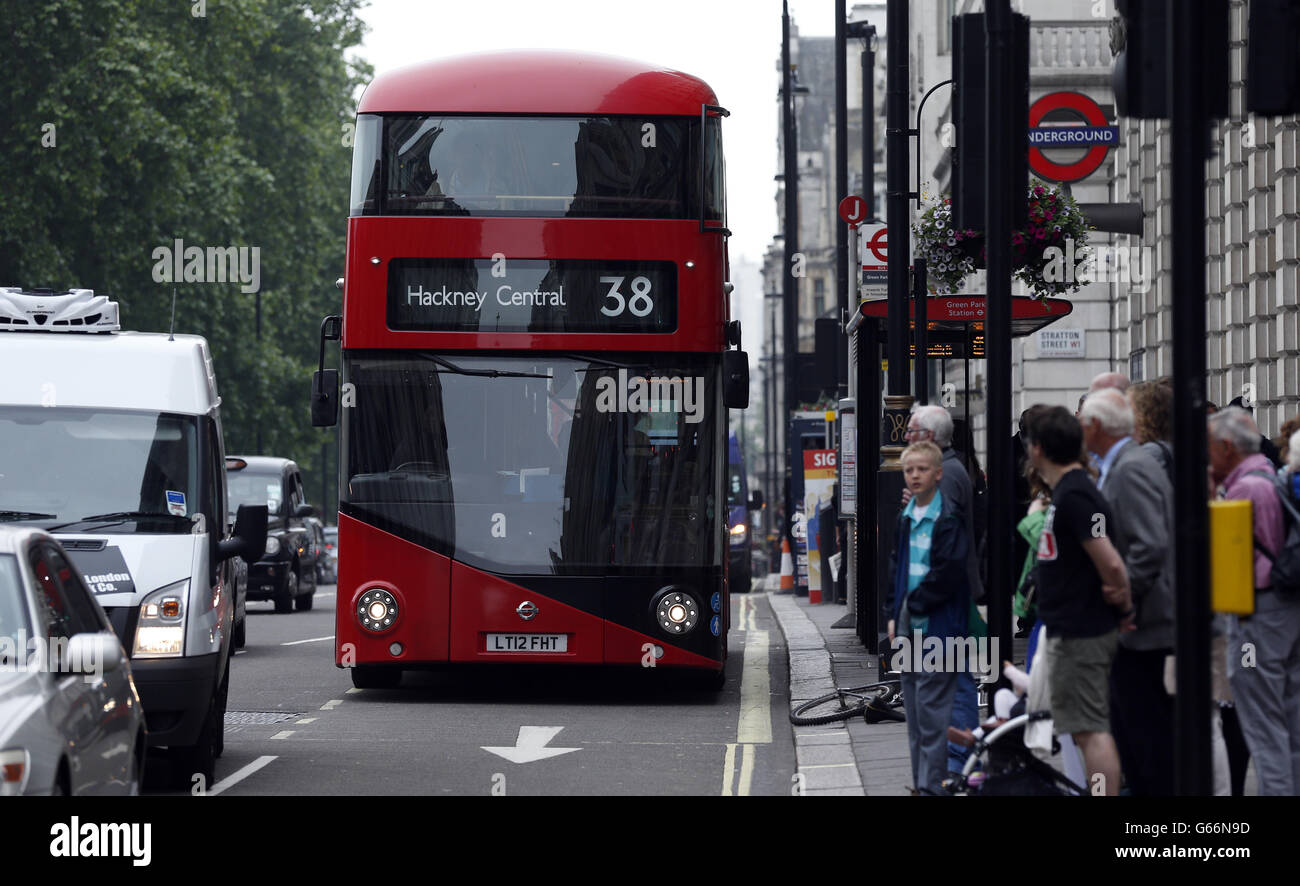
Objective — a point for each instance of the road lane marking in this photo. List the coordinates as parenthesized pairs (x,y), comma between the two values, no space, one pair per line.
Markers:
(305,720)
(331,704)
(530,745)
(728,769)
(755,725)
(239,775)
(285,734)
(746,770)
(240,651)
(311,640)
(353,691)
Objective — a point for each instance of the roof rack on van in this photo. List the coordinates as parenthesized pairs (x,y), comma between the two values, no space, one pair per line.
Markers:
(44,310)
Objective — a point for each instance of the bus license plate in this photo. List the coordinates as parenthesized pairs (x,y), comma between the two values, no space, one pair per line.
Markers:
(527,643)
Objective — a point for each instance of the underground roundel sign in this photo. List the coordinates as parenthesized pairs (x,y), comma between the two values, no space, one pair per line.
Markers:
(1067,123)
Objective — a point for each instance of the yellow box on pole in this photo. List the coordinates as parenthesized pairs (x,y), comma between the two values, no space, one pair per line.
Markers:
(1232,557)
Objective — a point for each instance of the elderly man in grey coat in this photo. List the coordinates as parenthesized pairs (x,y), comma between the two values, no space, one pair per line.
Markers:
(1142,506)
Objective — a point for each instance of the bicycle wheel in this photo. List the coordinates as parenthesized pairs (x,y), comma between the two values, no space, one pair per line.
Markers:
(844,704)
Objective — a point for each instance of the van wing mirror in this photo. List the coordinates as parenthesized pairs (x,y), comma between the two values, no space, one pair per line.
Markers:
(756,500)
(249,538)
(325,398)
(735,379)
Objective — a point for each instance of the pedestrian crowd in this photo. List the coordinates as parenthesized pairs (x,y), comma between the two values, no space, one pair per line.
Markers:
(1095,525)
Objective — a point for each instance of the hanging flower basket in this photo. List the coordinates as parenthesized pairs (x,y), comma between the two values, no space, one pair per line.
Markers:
(1055,231)
(950,254)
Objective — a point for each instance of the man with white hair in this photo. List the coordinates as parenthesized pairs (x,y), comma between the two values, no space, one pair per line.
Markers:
(1116,380)
(1141,501)
(935,424)
(1264,648)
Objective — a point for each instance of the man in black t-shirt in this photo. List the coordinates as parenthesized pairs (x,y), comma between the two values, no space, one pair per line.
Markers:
(1083,595)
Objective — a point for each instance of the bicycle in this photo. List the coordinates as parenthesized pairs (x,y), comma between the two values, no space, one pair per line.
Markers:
(875,702)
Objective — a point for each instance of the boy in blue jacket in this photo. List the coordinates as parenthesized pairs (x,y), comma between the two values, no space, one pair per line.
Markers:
(929,598)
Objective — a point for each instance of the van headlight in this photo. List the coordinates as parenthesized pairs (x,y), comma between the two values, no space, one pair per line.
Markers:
(160,632)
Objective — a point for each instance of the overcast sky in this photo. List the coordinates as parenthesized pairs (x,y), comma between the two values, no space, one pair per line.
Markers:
(733,45)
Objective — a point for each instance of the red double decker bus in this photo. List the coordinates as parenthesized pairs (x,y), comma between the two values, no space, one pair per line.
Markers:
(536,370)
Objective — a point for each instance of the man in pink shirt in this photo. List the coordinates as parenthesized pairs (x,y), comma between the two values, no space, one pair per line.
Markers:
(1264,648)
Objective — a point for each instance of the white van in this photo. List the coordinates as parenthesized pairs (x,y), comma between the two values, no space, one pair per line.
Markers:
(112,442)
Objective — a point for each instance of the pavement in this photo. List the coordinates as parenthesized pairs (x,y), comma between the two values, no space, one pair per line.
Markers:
(848,758)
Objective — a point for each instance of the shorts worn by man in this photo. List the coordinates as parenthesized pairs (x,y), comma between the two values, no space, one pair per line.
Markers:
(1083,594)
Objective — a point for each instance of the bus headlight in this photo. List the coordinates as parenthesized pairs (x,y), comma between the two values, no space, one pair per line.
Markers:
(377,610)
(676,611)
(738,532)
(160,632)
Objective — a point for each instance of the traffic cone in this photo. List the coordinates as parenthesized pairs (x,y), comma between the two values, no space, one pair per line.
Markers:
(787,566)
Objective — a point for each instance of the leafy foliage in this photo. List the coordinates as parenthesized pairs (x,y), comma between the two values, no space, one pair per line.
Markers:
(130,124)
(1054,219)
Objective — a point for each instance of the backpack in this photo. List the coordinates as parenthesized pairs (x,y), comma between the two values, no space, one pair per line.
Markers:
(1285,574)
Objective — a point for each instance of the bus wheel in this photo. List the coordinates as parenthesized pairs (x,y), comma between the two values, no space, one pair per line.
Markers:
(373,677)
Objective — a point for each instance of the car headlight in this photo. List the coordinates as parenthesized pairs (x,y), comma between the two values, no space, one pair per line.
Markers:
(272,546)
(160,632)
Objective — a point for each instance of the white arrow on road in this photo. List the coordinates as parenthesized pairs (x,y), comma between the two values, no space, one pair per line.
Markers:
(530,746)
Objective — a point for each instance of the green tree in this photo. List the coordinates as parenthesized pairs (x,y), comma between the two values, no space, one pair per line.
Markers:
(130,124)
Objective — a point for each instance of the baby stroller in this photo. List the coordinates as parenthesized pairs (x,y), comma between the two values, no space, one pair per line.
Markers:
(1001,765)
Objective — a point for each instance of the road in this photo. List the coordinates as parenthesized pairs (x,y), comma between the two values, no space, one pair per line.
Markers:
(296,726)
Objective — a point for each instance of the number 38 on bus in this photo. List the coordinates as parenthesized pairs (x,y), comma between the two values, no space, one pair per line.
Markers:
(537,363)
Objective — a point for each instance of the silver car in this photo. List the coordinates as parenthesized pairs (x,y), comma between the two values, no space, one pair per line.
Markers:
(70,717)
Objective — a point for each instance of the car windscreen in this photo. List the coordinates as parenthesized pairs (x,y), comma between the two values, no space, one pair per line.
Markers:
(107,470)
(253,487)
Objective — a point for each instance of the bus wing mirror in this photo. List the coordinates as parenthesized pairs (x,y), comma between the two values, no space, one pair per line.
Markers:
(735,379)
(325,398)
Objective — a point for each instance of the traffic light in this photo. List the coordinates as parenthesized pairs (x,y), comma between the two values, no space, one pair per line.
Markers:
(970,93)
(1273,58)
(1139,41)
(969,163)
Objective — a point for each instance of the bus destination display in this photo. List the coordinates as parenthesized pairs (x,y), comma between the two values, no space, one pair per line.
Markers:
(532,295)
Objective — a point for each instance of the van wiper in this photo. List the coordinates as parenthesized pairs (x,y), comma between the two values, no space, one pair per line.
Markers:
(120,517)
(481,373)
(25,515)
